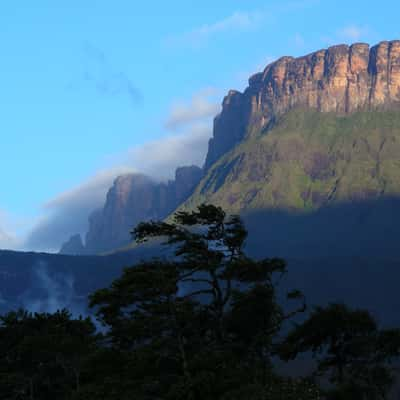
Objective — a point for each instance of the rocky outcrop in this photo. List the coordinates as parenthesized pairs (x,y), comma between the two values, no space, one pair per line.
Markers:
(342,79)
(134,198)
(131,199)
(74,246)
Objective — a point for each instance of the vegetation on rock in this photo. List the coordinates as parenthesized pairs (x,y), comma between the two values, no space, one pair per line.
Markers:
(307,160)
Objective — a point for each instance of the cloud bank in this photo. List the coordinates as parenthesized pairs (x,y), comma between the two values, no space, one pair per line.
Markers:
(160,158)
(68,212)
(8,239)
(188,128)
(199,108)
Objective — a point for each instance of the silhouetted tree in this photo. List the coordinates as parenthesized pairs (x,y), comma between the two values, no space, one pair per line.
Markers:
(42,355)
(349,348)
(200,325)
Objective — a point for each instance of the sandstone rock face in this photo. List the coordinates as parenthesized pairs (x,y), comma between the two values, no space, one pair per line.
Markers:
(135,198)
(341,79)
(129,197)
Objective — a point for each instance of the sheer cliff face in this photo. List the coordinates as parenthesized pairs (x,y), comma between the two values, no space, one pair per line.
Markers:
(130,197)
(333,126)
(309,132)
(342,79)
(135,198)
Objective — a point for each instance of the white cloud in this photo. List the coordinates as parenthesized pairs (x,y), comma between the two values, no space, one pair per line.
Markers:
(89,192)
(352,33)
(237,21)
(160,158)
(349,34)
(200,107)
(298,40)
(68,212)
(8,228)
(6,241)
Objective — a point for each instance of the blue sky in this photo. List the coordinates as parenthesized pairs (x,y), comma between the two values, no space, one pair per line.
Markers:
(89,89)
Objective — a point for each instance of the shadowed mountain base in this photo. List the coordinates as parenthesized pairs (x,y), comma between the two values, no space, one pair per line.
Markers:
(368,228)
(348,253)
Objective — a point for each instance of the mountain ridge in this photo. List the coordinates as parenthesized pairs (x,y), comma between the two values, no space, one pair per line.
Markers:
(133,198)
(340,79)
(306,161)
(306,132)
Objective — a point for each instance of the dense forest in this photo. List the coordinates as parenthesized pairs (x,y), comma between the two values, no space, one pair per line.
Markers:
(205,324)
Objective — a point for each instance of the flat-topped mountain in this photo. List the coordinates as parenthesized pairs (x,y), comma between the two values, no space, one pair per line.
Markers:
(342,79)
(309,154)
(308,133)
(133,198)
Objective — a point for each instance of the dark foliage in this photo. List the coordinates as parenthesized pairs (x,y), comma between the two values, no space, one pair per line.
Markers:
(43,356)
(204,324)
(350,351)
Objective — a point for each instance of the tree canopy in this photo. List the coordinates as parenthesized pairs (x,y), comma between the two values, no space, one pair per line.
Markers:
(202,324)
(205,319)
(350,350)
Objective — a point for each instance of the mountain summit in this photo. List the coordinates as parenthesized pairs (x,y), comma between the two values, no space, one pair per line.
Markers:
(308,133)
(341,79)
(309,154)
(133,198)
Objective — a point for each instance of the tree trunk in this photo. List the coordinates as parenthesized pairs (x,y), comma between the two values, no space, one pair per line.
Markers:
(181,345)
(31,389)
(186,372)
(77,381)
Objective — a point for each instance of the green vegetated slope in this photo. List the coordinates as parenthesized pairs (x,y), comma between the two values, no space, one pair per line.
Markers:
(306,161)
